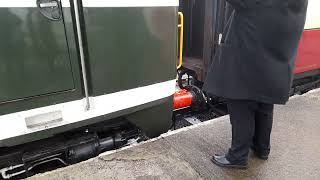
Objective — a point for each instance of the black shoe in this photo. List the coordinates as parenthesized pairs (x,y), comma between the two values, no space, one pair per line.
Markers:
(222,161)
(259,154)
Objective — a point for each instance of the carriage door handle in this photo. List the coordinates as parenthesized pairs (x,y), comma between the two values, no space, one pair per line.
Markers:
(50,9)
(52,4)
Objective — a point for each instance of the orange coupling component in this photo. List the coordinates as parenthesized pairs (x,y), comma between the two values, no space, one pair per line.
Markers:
(182,99)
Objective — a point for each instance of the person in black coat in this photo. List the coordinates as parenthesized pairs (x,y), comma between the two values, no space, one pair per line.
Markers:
(253,70)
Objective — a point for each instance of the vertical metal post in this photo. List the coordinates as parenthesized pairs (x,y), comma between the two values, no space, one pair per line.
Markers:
(181,26)
(83,66)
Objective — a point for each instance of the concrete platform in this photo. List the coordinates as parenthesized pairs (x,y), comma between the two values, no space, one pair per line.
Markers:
(185,154)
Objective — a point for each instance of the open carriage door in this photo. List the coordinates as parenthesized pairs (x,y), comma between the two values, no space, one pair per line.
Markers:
(204,24)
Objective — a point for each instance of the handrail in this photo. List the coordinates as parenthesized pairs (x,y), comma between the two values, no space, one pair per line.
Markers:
(181,27)
(82,60)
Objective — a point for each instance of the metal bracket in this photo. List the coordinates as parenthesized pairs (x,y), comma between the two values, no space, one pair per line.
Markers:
(8,176)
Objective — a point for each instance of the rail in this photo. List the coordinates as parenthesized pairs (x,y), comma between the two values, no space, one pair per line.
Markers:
(181,27)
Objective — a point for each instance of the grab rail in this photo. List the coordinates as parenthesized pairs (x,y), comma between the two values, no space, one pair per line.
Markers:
(181,27)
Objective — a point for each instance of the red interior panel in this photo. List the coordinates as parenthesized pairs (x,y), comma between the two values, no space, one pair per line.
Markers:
(308,58)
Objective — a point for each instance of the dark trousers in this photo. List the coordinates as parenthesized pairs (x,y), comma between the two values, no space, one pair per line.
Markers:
(251,126)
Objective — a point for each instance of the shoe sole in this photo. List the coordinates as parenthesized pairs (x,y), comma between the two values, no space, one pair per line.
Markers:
(229,166)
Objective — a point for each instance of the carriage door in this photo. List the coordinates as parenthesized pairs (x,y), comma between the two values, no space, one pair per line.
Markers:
(34,59)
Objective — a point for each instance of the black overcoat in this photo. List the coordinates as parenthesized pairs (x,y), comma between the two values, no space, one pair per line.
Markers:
(255,61)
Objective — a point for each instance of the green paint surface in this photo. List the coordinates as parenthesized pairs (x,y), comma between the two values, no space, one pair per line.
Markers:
(39,64)
(130,47)
(126,48)
(34,55)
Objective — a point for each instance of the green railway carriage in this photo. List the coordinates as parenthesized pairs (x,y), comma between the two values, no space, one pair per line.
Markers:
(65,64)
(80,77)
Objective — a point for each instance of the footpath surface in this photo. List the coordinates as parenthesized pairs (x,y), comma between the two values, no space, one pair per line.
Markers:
(185,153)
